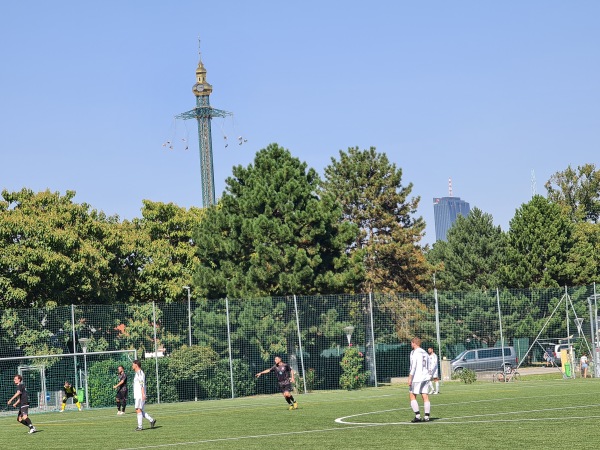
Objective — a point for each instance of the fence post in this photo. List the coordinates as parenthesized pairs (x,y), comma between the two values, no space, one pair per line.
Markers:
(300,344)
(74,343)
(373,338)
(229,346)
(594,330)
(500,323)
(437,331)
(155,351)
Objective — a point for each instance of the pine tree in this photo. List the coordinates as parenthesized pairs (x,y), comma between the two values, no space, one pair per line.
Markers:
(370,190)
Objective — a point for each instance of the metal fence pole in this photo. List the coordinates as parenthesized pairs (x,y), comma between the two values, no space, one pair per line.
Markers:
(300,343)
(592,332)
(155,351)
(437,332)
(596,335)
(500,323)
(74,343)
(229,346)
(373,338)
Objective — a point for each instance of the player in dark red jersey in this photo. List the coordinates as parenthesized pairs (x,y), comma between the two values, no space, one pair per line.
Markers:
(121,388)
(285,377)
(23,404)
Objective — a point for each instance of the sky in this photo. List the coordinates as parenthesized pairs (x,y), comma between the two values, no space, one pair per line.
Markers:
(493,95)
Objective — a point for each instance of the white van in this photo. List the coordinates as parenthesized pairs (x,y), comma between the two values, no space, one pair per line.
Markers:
(482,359)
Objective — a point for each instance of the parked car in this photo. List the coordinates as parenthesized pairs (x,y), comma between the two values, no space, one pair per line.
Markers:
(485,359)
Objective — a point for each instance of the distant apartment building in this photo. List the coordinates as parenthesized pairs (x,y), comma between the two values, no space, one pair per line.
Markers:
(445,212)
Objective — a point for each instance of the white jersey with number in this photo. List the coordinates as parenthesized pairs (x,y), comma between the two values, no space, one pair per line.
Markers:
(419,365)
(433,365)
(139,383)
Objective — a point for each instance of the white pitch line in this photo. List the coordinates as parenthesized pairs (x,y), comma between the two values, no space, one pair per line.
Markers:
(342,420)
(257,436)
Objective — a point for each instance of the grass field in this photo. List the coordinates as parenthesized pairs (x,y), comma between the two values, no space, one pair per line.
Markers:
(537,412)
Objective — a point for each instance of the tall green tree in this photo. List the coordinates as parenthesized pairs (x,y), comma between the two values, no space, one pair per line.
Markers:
(578,190)
(472,256)
(54,251)
(161,257)
(271,234)
(374,198)
(540,239)
(584,259)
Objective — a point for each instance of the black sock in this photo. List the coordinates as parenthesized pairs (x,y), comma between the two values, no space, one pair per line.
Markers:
(289,400)
(29,424)
(292,398)
(24,422)
(123,407)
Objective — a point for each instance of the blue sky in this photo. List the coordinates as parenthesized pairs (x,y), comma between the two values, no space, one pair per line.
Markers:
(482,92)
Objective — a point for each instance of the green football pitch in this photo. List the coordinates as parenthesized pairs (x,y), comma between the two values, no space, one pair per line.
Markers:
(533,413)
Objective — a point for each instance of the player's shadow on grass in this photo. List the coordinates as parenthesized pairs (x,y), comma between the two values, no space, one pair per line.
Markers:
(431,419)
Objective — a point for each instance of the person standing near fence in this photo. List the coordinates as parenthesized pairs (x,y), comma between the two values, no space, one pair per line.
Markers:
(69,392)
(583,361)
(23,403)
(121,388)
(434,369)
(419,380)
(139,395)
(285,377)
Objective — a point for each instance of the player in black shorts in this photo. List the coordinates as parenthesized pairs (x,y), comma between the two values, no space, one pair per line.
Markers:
(121,388)
(23,403)
(70,391)
(285,377)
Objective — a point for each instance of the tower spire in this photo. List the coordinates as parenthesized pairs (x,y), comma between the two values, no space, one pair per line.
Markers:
(203,113)
(450,187)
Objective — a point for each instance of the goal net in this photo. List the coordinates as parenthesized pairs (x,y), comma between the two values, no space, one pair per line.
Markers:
(93,374)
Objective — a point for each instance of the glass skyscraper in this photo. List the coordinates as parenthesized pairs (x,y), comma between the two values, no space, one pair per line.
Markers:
(445,211)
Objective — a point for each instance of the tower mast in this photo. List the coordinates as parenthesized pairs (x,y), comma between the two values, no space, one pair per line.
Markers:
(203,113)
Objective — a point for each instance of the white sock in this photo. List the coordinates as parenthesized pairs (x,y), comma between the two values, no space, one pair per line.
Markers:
(147,416)
(139,418)
(427,407)
(437,386)
(415,406)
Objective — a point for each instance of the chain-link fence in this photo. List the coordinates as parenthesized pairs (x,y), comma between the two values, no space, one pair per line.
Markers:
(213,348)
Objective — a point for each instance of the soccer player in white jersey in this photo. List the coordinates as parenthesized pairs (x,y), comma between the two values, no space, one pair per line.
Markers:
(139,395)
(419,380)
(434,370)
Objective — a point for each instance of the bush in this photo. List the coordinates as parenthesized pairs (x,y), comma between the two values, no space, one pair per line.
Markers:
(467,376)
(310,382)
(102,376)
(219,385)
(353,374)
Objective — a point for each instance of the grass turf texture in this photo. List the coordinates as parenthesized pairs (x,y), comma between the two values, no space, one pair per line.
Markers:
(482,415)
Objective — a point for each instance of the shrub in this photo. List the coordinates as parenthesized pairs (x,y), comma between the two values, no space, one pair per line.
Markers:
(219,385)
(467,376)
(353,374)
(310,382)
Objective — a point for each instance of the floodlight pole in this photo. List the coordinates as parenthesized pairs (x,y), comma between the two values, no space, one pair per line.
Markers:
(83,342)
(190,334)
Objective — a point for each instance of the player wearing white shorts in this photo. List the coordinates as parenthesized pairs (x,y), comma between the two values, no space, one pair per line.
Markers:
(434,370)
(139,395)
(419,380)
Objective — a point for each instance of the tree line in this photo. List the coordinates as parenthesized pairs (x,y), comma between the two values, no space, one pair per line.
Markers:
(281,228)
